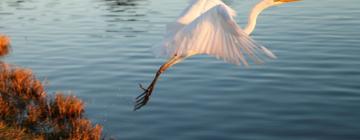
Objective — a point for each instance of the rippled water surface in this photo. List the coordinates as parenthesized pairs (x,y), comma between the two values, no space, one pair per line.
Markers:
(100,51)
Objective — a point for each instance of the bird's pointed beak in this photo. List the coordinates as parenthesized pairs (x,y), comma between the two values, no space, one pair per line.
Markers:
(286,1)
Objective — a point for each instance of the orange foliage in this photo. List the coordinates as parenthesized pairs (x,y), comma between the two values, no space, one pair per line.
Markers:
(4,45)
(68,106)
(25,107)
(27,113)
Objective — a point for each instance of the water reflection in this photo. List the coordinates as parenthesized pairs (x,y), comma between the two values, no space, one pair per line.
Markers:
(17,3)
(124,2)
(122,5)
(125,16)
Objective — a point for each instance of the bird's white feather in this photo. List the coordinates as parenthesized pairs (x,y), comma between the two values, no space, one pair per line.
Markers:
(193,11)
(215,33)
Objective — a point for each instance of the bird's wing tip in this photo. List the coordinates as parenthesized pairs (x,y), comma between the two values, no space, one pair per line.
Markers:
(268,52)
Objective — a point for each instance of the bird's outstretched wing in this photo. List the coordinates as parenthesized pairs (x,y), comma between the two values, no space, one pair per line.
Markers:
(215,33)
(192,12)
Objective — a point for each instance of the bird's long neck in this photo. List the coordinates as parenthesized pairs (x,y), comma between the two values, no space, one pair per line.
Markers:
(254,15)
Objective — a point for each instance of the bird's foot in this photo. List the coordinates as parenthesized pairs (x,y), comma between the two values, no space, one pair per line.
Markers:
(143,98)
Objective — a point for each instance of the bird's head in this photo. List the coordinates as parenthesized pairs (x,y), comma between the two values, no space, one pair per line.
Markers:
(278,2)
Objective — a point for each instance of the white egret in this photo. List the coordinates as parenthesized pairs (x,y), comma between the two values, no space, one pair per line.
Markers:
(208,27)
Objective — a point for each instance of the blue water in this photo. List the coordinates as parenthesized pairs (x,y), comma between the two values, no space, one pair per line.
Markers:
(99,50)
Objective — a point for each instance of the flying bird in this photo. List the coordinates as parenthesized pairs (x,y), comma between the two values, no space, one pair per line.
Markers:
(208,27)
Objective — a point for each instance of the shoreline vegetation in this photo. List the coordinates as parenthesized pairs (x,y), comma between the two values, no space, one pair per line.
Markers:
(27,112)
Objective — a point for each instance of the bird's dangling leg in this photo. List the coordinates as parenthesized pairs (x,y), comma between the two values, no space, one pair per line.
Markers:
(143,98)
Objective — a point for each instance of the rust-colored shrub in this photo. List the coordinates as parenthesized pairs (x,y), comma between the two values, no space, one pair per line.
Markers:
(26,112)
(16,133)
(4,45)
(25,106)
(67,107)
(82,128)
